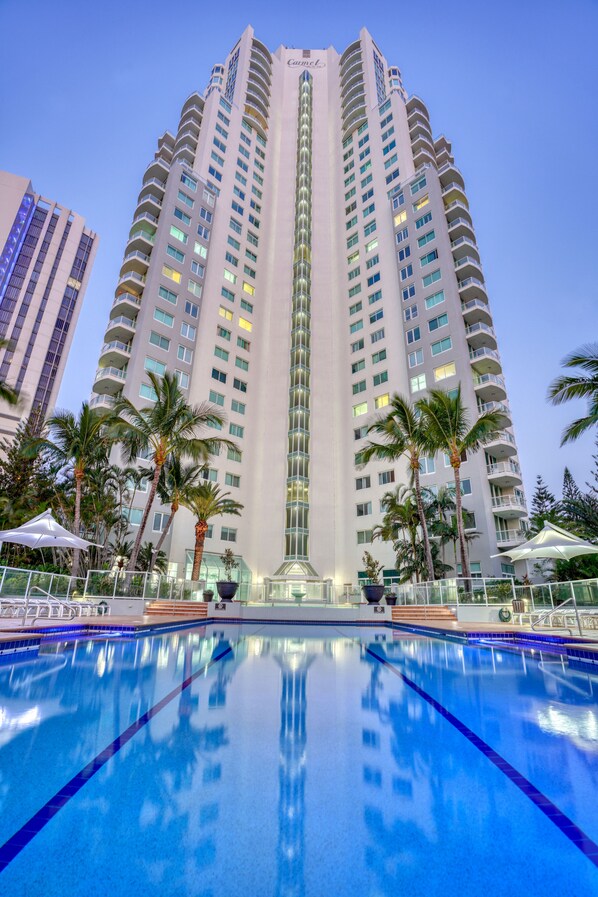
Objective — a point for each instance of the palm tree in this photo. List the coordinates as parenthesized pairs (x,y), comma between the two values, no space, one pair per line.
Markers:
(77,443)
(149,557)
(439,505)
(400,516)
(174,484)
(168,428)
(206,501)
(565,388)
(404,435)
(7,393)
(447,425)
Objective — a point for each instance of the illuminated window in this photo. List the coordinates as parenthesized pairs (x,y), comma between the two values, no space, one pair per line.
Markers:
(167,271)
(195,288)
(178,234)
(360,409)
(225,313)
(382,401)
(247,288)
(421,203)
(246,325)
(371,245)
(400,218)
(447,370)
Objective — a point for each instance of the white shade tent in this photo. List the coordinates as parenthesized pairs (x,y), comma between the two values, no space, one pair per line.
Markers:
(551,542)
(44,531)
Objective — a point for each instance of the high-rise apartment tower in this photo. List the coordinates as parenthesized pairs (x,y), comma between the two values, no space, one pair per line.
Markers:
(302,248)
(46,255)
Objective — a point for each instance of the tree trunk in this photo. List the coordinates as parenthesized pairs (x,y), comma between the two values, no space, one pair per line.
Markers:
(148,506)
(163,534)
(422,520)
(77,524)
(201,528)
(456,464)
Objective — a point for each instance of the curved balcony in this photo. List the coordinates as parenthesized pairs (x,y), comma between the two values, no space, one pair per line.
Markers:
(192,119)
(144,217)
(485,360)
(109,380)
(135,261)
(476,310)
(460,227)
(454,191)
(115,353)
(355,116)
(149,203)
(123,304)
(449,173)
(505,474)
(185,151)
(509,538)
(353,48)
(256,118)
(423,156)
(103,402)
(132,282)
(193,101)
(141,240)
(422,143)
(509,506)
(258,76)
(462,246)
(415,117)
(257,64)
(255,89)
(188,135)
(480,335)
(501,408)
(471,288)
(355,65)
(502,446)
(468,266)
(489,387)
(120,328)
(457,209)
(158,168)
(355,91)
(153,185)
(262,50)
(414,102)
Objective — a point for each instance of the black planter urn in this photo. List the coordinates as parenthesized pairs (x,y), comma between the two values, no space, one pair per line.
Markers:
(373,594)
(227,590)
(391,600)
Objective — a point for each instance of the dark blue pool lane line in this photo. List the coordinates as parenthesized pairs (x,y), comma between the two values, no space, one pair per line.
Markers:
(577,837)
(12,848)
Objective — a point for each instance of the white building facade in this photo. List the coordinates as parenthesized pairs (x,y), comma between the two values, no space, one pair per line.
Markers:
(302,248)
(46,256)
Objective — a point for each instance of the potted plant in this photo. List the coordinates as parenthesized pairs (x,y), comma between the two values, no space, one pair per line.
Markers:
(227,588)
(391,599)
(373,591)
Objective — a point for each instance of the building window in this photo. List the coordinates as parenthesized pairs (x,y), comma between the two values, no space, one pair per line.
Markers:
(232,479)
(156,339)
(428,258)
(413,335)
(228,535)
(377,335)
(183,379)
(425,219)
(358,387)
(209,474)
(386,477)
(357,346)
(188,331)
(418,383)
(219,352)
(240,385)
(381,401)
(195,288)
(435,299)
(364,509)
(239,407)
(241,363)
(410,313)
(363,482)
(246,306)
(441,345)
(429,279)
(415,358)
(168,295)
(148,392)
(427,238)
(427,465)
(447,370)
(364,536)
(420,203)
(376,315)
(191,309)
(178,234)
(405,252)
(380,378)
(245,325)
(175,253)
(156,367)
(406,272)
(223,333)
(169,272)
(225,313)
(379,356)
(360,432)
(182,216)
(357,366)
(236,430)
(159,522)
(360,409)
(438,322)
(218,375)
(216,397)
(356,325)
(353,309)
(163,317)
(243,343)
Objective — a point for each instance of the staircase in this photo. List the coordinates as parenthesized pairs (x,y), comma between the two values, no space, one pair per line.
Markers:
(193,610)
(423,613)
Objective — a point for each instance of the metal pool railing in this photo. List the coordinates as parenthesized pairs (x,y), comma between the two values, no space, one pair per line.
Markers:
(16,582)
(486,591)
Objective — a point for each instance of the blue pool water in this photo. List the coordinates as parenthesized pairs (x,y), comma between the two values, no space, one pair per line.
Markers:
(296,762)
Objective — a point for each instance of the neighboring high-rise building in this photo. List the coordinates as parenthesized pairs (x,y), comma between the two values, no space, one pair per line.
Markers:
(302,248)
(46,255)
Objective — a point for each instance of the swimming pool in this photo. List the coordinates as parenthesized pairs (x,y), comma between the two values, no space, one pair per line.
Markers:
(296,761)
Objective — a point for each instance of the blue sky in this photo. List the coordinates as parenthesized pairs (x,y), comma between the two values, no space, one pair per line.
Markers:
(85,90)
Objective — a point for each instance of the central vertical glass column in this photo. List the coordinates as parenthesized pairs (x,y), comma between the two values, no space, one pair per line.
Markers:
(297,499)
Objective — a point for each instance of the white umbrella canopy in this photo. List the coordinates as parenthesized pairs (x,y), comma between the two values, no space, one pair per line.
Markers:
(551,542)
(44,532)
